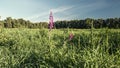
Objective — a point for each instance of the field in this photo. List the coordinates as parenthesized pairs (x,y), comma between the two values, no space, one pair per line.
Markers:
(41,48)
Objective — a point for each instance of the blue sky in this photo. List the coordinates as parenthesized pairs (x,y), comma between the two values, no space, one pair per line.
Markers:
(38,10)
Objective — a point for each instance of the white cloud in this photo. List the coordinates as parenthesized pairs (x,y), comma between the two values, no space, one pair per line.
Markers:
(68,12)
(44,16)
(61,9)
(83,11)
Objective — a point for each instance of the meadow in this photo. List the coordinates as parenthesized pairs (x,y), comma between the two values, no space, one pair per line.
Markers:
(41,48)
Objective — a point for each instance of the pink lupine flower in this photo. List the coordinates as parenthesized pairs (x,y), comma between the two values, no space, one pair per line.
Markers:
(51,24)
(71,36)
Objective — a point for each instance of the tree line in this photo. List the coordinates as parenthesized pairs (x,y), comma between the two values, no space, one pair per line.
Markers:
(88,22)
(77,24)
(21,23)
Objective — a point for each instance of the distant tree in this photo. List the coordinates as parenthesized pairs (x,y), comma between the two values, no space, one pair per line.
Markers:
(8,23)
(88,22)
(1,24)
(77,24)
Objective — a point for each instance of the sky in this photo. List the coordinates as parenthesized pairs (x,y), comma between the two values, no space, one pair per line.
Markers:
(39,10)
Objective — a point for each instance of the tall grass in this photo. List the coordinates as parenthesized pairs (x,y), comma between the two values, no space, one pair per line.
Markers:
(32,48)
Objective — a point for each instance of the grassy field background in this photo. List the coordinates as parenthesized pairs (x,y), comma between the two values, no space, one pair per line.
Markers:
(37,48)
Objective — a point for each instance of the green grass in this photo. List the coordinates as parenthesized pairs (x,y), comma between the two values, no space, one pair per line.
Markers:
(39,48)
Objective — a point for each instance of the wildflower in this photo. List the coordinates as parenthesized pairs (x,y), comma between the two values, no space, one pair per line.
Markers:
(51,24)
(71,36)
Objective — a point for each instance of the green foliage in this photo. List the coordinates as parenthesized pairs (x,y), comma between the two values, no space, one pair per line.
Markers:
(21,23)
(32,48)
(86,24)
(76,24)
